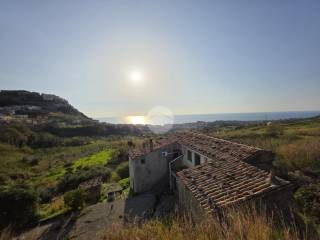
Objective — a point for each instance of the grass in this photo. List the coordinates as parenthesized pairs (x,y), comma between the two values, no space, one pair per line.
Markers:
(100,158)
(296,144)
(245,223)
(53,162)
(50,210)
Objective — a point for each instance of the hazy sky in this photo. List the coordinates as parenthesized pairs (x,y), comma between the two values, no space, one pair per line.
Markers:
(192,56)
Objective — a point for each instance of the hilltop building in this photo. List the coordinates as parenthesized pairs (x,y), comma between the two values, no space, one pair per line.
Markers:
(207,174)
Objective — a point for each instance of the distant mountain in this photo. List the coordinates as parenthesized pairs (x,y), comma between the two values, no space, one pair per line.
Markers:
(52,114)
(25,102)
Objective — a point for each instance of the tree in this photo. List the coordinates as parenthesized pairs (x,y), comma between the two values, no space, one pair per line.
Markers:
(75,199)
(308,199)
(123,170)
(18,205)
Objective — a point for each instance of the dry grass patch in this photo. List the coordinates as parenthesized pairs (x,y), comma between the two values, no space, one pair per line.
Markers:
(300,154)
(236,224)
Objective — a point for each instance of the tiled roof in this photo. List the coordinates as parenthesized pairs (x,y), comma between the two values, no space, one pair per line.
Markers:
(206,145)
(145,148)
(220,183)
(226,179)
(216,148)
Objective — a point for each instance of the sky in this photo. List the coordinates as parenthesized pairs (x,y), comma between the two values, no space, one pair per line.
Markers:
(119,58)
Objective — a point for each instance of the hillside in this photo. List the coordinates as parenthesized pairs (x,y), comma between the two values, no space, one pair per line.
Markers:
(50,149)
(33,103)
(47,149)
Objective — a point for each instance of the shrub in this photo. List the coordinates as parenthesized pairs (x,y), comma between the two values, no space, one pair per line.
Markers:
(119,155)
(124,183)
(236,224)
(18,205)
(300,154)
(12,136)
(274,130)
(123,170)
(72,179)
(76,141)
(75,199)
(44,140)
(308,199)
(46,194)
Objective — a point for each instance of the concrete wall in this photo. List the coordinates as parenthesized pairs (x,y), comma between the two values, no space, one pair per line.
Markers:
(153,173)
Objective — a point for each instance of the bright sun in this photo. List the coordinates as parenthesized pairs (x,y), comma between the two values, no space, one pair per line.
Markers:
(136,120)
(136,77)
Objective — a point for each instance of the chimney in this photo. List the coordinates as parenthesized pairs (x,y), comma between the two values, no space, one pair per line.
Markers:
(151,144)
(271,177)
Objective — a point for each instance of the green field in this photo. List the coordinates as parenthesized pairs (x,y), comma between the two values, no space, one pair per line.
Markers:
(100,158)
(296,144)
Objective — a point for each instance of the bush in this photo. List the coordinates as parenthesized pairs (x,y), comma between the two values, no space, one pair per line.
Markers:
(235,224)
(124,183)
(274,130)
(119,156)
(12,136)
(32,161)
(44,140)
(76,141)
(75,199)
(300,154)
(72,179)
(18,205)
(46,194)
(308,199)
(123,170)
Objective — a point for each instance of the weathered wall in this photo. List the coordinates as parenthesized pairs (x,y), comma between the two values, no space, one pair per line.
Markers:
(188,205)
(188,163)
(153,172)
(279,199)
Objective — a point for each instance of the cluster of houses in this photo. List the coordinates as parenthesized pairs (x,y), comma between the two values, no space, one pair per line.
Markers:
(22,118)
(207,174)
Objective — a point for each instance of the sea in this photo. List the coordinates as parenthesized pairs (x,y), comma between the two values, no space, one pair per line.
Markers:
(253,116)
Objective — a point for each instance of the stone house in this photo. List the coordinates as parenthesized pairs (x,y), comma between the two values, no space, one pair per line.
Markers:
(207,174)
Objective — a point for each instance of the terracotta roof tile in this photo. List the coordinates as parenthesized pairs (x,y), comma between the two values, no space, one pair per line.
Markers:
(219,184)
(227,178)
(145,148)
(216,148)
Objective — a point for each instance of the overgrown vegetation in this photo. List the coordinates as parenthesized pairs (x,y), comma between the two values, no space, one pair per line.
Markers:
(53,160)
(246,223)
(297,148)
(75,199)
(18,205)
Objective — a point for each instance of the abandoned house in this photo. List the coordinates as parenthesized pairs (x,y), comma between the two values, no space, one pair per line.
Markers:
(206,173)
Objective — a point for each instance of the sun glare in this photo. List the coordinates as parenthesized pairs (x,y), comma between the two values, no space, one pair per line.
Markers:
(136,120)
(136,77)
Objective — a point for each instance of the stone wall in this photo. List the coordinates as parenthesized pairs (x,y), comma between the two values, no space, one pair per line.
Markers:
(188,205)
(152,170)
(276,202)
